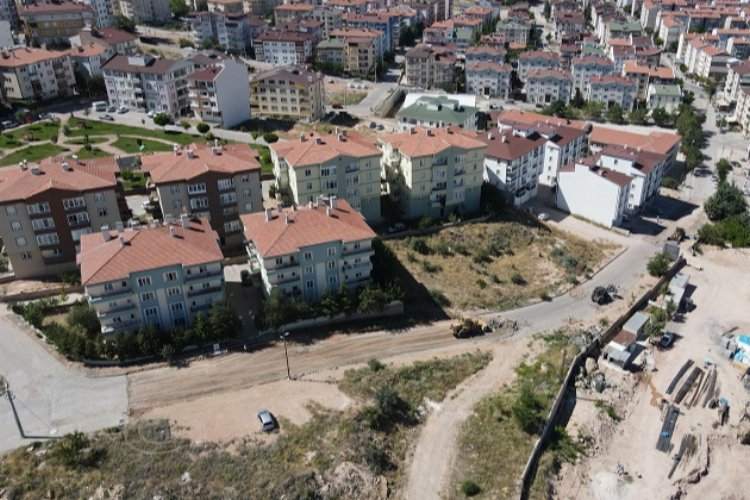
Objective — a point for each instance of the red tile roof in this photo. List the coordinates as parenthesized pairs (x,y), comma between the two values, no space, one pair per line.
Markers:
(538,54)
(206,75)
(28,55)
(656,142)
(510,116)
(292,229)
(625,339)
(82,176)
(146,248)
(174,167)
(313,148)
(508,146)
(54,8)
(424,142)
(544,73)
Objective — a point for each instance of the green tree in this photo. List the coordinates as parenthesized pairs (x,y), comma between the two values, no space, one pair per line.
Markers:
(125,24)
(345,301)
(638,116)
(169,353)
(723,167)
(225,324)
(593,110)
(726,202)
(185,125)
(372,299)
(659,264)
(556,108)
(84,317)
(578,101)
(162,120)
(693,157)
(328,304)
(661,117)
(615,114)
(528,410)
(276,310)
(149,340)
(202,328)
(179,8)
(203,128)
(547,10)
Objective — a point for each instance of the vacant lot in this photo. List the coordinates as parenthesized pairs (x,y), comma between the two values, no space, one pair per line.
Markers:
(499,265)
(355,453)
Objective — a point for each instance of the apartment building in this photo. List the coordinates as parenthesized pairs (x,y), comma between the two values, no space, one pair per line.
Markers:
(261,8)
(330,18)
(586,67)
(220,93)
(662,143)
(544,86)
(741,113)
(225,6)
(670,30)
(437,111)
(230,30)
(711,62)
(643,76)
(144,83)
(356,51)
(36,74)
(218,183)
(431,66)
(569,22)
(48,22)
(434,172)
(373,40)
(307,250)
(283,48)
(142,11)
(93,47)
(384,22)
(667,97)
(103,13)
(458,31)
(514,30)
(513,162)
(48,206)
(490,79)
(290,93)
(610,90)
(738,76)
(593,192)
(131,281)
(485,53)
(646,169)
(345,165)
(536,60)
(292,12)
(9,13)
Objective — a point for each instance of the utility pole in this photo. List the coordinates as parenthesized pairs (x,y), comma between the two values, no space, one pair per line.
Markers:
(286,353)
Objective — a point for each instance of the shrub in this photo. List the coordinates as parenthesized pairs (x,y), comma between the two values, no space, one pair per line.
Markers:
(376,458)
(375,365)
(440,298)
(670,183)
(388,409)
(659,264)
(528,411)
(429,267)
(203,128)
(270,137)
(74,451)
(482,284)
(425,223)
(726,202)
(517,279)
(443,249)
(482,256)
(470,488)
(84,316)
(420,246)
(168,353)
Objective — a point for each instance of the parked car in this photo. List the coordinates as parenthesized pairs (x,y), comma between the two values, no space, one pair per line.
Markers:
(9,124)
(666,340)
(373,124)
(267,420)
(112,109)
(151,113)
(397,227)
(245,278)
(543,216)
(380,126)
(122,109)
(109,118)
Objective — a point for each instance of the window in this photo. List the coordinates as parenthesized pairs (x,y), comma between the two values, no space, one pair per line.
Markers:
(307,255)
(227,198)
(148,296)
(25,255)
(309,284)
(196,203)
(101,212)
(246,193)
(249,206)
(144,281)
(170,276)
(197,188)
(308,172)
(10,209)
(72,203)
(173,290)
(225,184)
(232,226)
(99,197)
(37,208)
(151,312)
(327,171)
(176,203)
(245,178)
(174,189)
(78,218)
(331,264)
(308,269)
(176,307)
(332,251)
(20,242)
(332,280)
(15,225)
(47,239)
(76,234)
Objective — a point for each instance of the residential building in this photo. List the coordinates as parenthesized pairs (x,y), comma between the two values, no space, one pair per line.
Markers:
(290,93)
(544,86)
(6,34)
(710,62)
(485,53)
(292,12)
(644,167)
(356,51)
(511,118)
(220,94)
(431,66)
(284,48)
(514,31)
(741,113)
(643,76)
(36,74)
(330,17)
(103,14)
(383,22)
(230,30)
(48,22)
(142,11)
(670,30)
(345,165)
(738,76)
(490,79)
(586,67)
(610,90)
(667,97)
(536,60)
(663,143)
(91,48)
(261,8)
(307,250)
(225,6)
(47,206)
(9,12)
(459,32)
(593,192)
(158,275)
(218,183)
(569,22)
(144,83)
(434,172)
(437,112)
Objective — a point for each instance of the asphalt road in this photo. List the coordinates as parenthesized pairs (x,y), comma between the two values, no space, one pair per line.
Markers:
(50,399)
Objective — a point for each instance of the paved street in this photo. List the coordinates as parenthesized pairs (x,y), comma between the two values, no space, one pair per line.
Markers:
(50,399)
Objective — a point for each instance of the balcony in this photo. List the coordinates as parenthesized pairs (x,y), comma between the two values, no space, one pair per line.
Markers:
(119,327)
(114,310)
(205,291)
(112,294)
(200,307)
(204,275)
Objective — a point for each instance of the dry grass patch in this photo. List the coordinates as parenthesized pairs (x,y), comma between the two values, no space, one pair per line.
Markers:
(499,265)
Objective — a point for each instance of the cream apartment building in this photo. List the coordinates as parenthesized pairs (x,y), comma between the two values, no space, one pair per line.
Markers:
(489,79)
(36,74)
(546,86)
(146,10)
(345,165)
(536,60)
(610,90)
(584,68)
(291,93)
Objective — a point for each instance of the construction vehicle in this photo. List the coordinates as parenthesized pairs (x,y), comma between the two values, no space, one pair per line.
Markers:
(467,328)
(601,296)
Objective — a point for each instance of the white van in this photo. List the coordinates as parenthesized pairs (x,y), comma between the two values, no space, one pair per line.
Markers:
(99,106)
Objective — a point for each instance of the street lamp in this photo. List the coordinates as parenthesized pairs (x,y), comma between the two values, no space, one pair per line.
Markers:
(286,353)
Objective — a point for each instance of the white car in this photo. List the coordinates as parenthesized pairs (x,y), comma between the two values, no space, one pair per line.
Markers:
(543,216)
(122,109)
(151,113)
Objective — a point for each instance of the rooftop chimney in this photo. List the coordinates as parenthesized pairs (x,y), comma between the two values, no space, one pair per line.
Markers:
(119,226)
(171,231)
(302,137)
(503,139)
(328,211)
(21,165)
(333,201)
(106,236)
(185,220)
(490,136)
(269,214)
(122,241)
(190,154)
(318,140)
(65,166)
(286,219)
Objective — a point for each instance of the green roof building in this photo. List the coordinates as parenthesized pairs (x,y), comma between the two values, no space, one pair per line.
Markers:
(437,112)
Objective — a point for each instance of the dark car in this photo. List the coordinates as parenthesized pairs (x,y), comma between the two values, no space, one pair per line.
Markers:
(666,340)
(108,118)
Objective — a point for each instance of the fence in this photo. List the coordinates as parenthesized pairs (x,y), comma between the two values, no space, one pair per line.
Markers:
(592,349)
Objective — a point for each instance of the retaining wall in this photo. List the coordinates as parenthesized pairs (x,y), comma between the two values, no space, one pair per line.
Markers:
(395,308)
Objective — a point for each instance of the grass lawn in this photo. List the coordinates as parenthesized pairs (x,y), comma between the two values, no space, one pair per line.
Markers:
(145,457)
(92,140)
(85,154)
(133,179)
(32,153)
(130,145)
(264,155)
(103,128)
(41,131)
(345,98)
(496,440)
(498,264)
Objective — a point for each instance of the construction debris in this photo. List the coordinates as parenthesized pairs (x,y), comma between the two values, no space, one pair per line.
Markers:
(679,375)
(687,385)
(667,429)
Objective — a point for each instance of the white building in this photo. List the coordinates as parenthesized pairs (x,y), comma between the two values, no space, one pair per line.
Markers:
(93,47)
(36,74)
(610,90)
(668,97)
(489,79)
(131,281)
(584,68)
(546,86)
(283,48)
(536,60)
(646,169)
(146,10)
(738,75)
(103,15)
(513,162)
(291,93)
(221,93)
(232,31)
(437,112)
(304,251)
(593,192)
(9,12)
